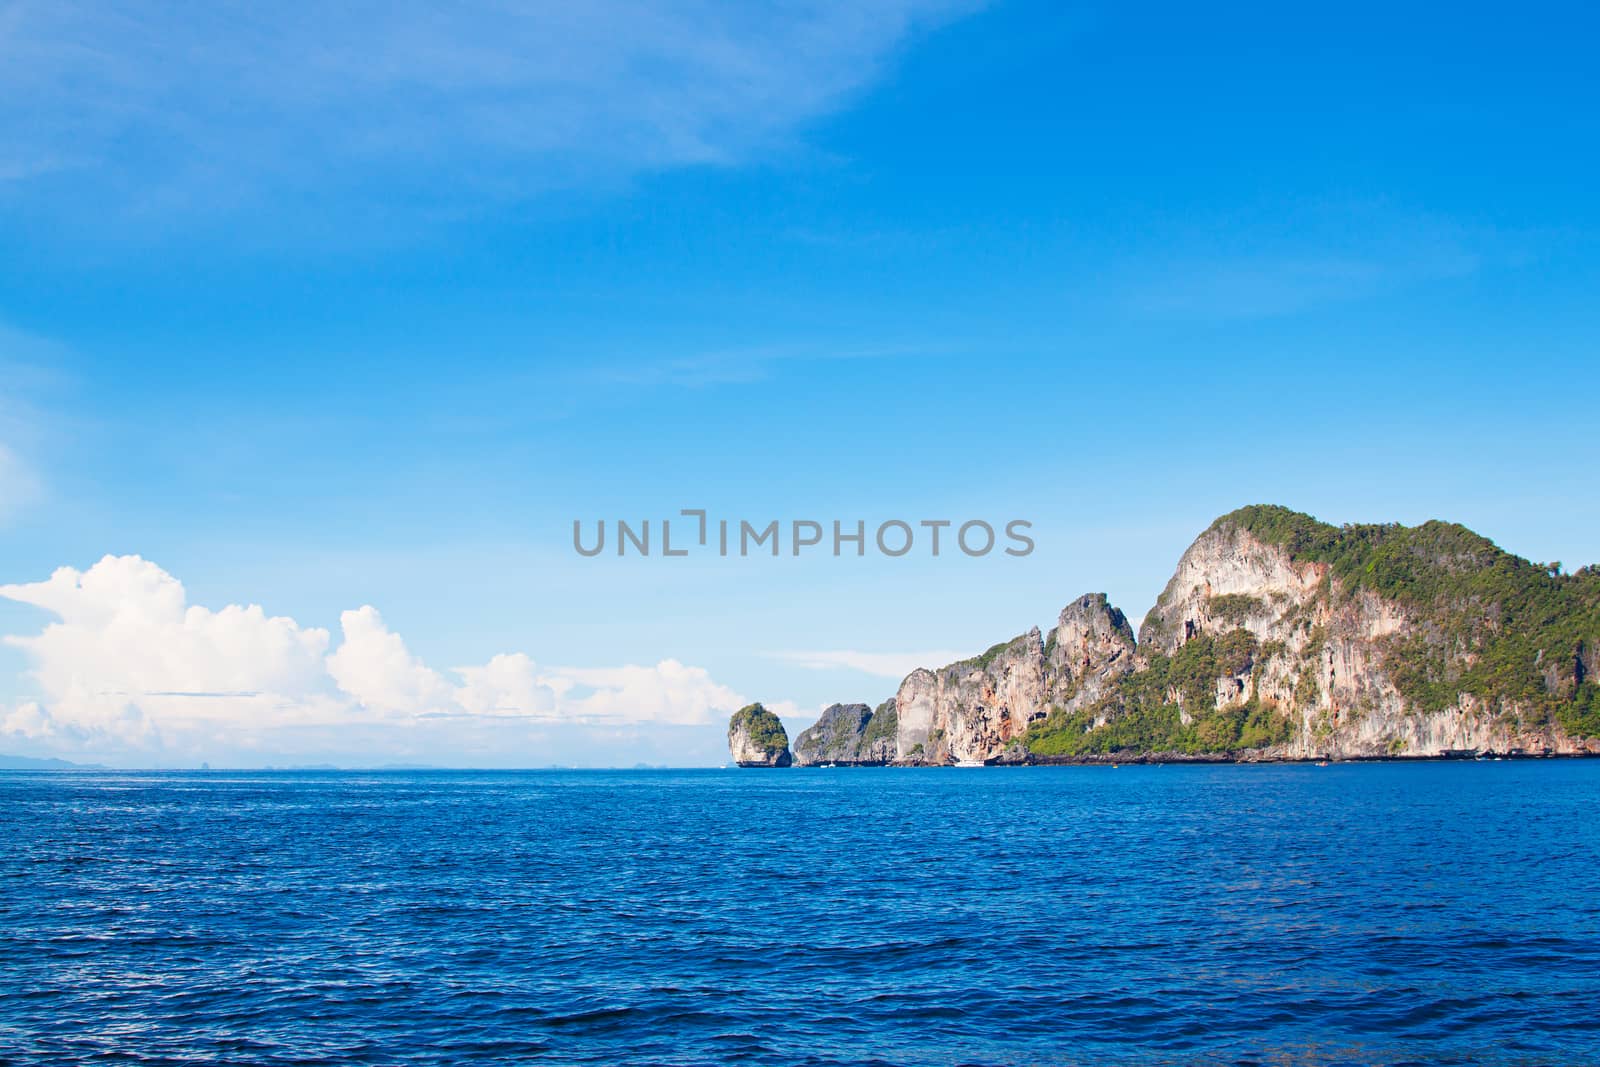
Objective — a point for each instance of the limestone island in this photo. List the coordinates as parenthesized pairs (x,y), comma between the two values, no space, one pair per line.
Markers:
(1279,637)
(756,738)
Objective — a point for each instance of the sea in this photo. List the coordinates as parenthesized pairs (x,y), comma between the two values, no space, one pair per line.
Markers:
(1426,913)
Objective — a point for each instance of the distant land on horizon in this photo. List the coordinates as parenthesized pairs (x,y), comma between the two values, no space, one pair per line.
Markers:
(32,763)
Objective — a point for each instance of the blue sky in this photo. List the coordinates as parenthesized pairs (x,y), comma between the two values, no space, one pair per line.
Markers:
(318,311)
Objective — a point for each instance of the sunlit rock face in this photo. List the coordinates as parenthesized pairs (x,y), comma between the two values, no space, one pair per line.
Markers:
(978,710)
(972,710)
(1333,657)
(1088,653)
(1282,637)
(756,738)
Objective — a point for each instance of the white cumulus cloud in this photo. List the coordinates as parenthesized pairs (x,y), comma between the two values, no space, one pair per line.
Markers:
(510,684)
(26,720)
(127,653)
(668,692)
(128,661)
(374,666)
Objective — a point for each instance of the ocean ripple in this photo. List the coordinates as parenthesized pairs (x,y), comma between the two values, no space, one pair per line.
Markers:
(1355,914)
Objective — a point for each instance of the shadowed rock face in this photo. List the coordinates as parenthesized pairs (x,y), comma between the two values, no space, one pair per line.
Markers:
(849,734)
(756,738)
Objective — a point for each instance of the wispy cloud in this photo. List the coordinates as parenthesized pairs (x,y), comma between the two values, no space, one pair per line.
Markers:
(1268,286)
(24,373)
(739,366)
(232,100)
(18,485)
(894,665)
(1318,256)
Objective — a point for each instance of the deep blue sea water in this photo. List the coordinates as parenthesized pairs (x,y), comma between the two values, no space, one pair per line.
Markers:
(1438,913)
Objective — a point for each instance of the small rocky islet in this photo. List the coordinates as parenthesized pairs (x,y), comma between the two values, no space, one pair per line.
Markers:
(756,738)
(1279,637)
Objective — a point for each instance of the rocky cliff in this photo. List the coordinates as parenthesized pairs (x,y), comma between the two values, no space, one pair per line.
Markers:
(756,738)
(1088,653)
(850,735)
(980,709)
(1279,636)
(1372,640)
(974,709)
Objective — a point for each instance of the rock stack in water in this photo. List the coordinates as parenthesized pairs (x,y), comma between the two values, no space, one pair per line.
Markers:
(756,738)
(850,735)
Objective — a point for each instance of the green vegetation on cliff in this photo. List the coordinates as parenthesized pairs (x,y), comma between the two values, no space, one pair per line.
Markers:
(1157,726)
(1145,713)
(989,655)
(883,725)
(764,729)
(1344,648)
(1495,626)
(1582,718)
(1234,607)
(1201,662)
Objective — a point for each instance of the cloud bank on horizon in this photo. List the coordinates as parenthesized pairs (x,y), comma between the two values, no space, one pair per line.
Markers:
(130,669)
